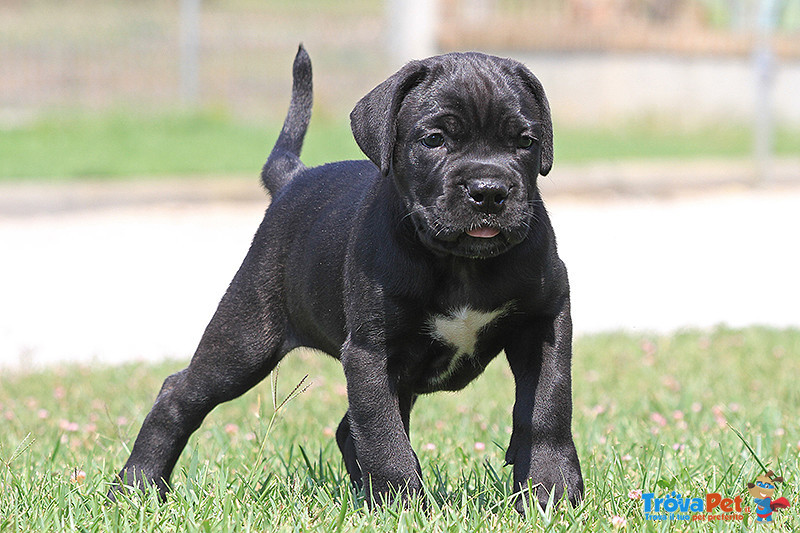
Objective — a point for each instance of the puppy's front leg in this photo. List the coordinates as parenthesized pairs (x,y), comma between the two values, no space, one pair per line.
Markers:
(541,448)
(379,411)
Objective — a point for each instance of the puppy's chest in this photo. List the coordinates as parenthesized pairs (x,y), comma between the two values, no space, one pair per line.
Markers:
(460,331)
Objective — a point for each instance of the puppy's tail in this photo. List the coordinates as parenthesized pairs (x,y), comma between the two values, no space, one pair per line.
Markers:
(284,160)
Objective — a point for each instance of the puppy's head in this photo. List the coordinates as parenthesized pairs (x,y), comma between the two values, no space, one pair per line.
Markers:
(464,136)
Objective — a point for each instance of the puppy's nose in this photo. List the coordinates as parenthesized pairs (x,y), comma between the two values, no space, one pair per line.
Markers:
(487,195)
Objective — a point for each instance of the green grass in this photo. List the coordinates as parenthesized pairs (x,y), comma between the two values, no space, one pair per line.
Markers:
(121,144)
(656,140)
(655,413)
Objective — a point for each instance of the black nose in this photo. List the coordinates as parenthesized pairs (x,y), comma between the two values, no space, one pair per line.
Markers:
(487,195)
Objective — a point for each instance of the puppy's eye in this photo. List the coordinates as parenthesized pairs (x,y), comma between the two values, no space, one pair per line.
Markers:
(525,141)
(434,140)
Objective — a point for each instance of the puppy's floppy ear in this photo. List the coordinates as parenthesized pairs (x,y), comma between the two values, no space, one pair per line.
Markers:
(535,87)
(373,119)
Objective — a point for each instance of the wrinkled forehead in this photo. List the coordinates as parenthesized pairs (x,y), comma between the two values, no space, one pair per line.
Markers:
(479,91)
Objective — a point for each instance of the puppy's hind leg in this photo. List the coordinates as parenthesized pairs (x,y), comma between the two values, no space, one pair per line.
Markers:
(241,345)
(348,448)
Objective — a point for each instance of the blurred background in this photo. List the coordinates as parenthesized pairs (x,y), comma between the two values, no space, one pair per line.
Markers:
(132,134)
(692,77)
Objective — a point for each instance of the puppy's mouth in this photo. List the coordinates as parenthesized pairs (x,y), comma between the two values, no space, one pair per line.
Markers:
(478,242)
(483,232)
(451,227)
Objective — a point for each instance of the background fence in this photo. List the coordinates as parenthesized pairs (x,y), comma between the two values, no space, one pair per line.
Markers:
(150,55)
(103,54)
(683,27)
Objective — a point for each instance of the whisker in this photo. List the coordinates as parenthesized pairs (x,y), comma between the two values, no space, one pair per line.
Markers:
(420,209)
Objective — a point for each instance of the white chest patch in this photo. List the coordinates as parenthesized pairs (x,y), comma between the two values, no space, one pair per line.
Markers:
(460,328)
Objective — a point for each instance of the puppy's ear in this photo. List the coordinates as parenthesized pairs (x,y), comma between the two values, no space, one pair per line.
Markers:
(535,87)
(373,119)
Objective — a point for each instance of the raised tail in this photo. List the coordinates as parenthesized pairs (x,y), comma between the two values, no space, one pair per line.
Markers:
(284,160)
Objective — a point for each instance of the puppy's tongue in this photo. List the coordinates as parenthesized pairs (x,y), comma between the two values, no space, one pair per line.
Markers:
(483,233)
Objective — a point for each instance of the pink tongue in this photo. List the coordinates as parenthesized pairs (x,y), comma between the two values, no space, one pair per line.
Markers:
(483,233)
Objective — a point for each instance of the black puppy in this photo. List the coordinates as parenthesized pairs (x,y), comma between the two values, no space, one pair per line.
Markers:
(415,269)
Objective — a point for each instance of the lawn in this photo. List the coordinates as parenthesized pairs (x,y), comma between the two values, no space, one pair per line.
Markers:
(120,144)
(125,144)
(652,413)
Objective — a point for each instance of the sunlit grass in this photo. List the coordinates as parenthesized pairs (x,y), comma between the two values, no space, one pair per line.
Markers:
(653,413)
(122,144)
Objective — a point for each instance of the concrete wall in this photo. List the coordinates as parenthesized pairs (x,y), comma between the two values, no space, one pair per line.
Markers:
(595,88)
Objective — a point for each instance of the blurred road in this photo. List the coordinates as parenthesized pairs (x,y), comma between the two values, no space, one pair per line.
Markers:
(135,271)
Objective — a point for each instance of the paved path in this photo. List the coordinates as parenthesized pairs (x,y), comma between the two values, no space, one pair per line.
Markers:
(140,280)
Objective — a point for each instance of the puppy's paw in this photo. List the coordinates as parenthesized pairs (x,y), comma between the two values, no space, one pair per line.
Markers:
(550,471)
(403,488)
(136,479)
